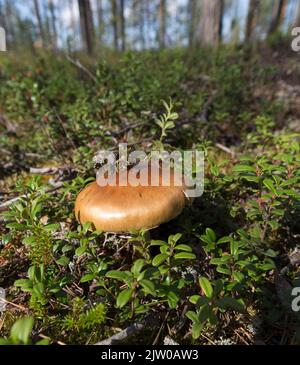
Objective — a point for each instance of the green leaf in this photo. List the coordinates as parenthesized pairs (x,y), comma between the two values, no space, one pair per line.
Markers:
(66,248)
(194,299)
(270,253)
(196,330)
(224,239)
(172,299)
(238,276)
(86,226)
(87,277)
(176,237)
(218,287)
(159,259)
(193,316)
(216,261)
(157,243)
(267,266)
(234,248)
(119,275)
(243,168)
(223,270)
(185,255)
(270,185)
(205,312)
(63,260)
(80,250)
(211,235)
(206,287)
(137,266)
(16,226)
(21,330)
(251,178)
(29,240)
(24,284)
(52,227)
(148,286)
(183,248)
(124,297)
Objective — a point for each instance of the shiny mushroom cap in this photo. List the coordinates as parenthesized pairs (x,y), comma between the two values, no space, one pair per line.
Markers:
(128,208)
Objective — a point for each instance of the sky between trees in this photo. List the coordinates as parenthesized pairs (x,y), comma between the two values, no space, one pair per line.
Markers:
(136,24)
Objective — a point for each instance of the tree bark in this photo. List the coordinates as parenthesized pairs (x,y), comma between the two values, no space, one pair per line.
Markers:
(278,14)
(86,25)
(208,30)
(221,20)
(100,20)
(192,21)
(297,17)
(122,25)
(251,20)
(162,23)
(3,23)
(40,23)
(143,9)
(114,10)
(53,25)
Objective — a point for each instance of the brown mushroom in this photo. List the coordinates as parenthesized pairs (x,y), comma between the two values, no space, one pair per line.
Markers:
(127,208)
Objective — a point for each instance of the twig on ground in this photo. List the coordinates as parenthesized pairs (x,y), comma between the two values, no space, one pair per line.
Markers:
(160,329)
(43,170)
(6,204)
(14,304)
(130,331)
(226,149)
(210,100)
(128,128)
(10,126)
(79,65)
(182,320)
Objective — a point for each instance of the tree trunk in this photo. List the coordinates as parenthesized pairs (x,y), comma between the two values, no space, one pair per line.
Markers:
(278,15)
(40,23)
(297,17)
(251,19)
(86,25)
(53,25)
(221,20)
(162,23)
(122,25)
(114,9)
(148,16)
(192,21)
(208,30)
(142,10)
(3,24)
(100,20)
(72,17)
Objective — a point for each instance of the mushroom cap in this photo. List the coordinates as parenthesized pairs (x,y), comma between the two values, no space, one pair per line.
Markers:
(128,208)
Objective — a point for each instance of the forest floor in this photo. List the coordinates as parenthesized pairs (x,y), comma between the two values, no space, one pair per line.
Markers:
(239,243)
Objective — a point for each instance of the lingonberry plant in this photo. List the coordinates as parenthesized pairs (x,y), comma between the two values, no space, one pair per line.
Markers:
(222,271)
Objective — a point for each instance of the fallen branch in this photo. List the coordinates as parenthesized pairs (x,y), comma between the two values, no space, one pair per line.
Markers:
(181,322)
(10,126)
(207,105)
(226,149)
(130,331)
(6,204)
(43,170)
(128,128)
(79,65)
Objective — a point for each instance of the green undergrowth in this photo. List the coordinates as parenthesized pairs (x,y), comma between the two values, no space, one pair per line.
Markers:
(222,272)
